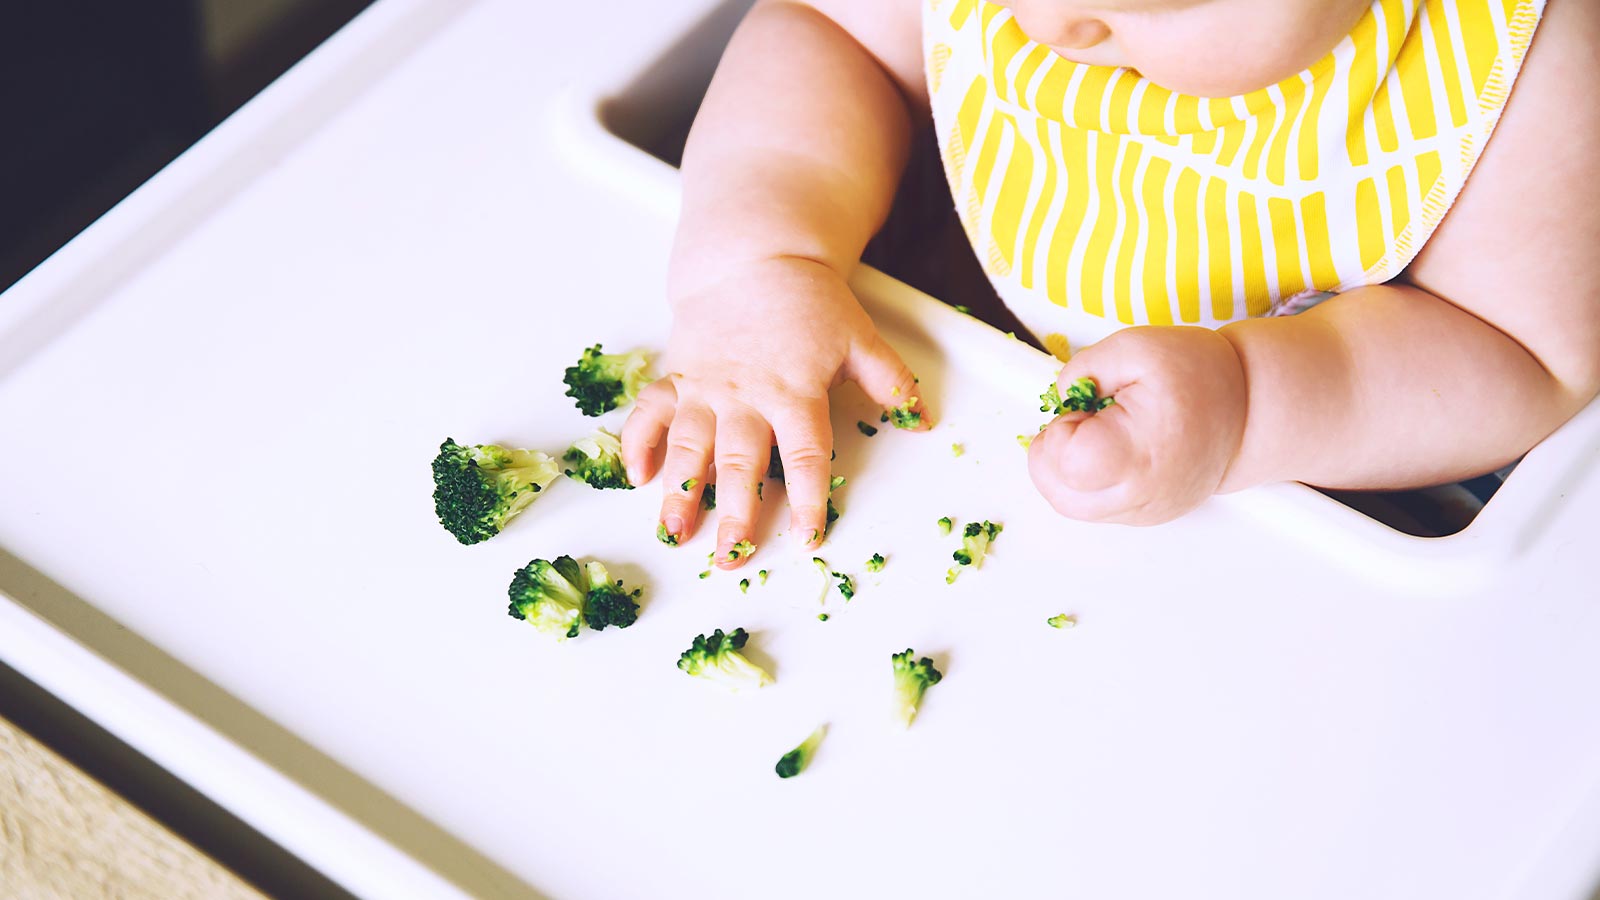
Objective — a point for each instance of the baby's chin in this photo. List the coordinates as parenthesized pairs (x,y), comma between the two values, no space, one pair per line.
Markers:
(1184,77)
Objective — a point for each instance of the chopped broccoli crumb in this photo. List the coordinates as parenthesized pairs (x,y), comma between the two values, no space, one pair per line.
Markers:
(744,585)
(1081,397)
(743,548)
(822,617)
(847,585)
(478,489)
(875,564)
(813,537)
(894,391)
(951,573)
(795,761)
(688,484)
(1025,441)
(975,540)
(761,576)
(717,658)
(1062,621)
(904,416)
(601,382)
(704,575)
(957,449)
(708,496)
(598,461)
(911,680)
(665,536)
(833,511)
(964,310)
(758,490)
(865,429)
(945,524)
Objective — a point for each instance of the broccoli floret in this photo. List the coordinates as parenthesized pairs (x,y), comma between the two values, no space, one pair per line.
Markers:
(607,603)
(1081,397)
(597,461)
(795,761)
(1062,621)
(833,511)
(775,465)
(911,679)
(665,536)
(744,585)
(550,596)
(904,416)
(866,429)
(945,524)
(975,540)
(601,382)
(875,564)
(717,658)
(761,576)
(708,496)
(478,489)
(847,585)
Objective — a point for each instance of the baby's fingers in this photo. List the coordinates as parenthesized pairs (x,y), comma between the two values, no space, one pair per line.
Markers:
(885,378)
(1084,464)
(805,445)
(743,442)
(689,444)
(646,426)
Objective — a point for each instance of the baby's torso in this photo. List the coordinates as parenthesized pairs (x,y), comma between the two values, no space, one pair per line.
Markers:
(1098,200)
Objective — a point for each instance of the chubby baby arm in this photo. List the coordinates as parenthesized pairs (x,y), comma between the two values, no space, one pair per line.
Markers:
(1488,343)
(790,168)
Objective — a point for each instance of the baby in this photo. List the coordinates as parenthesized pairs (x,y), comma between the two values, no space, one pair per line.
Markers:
(1156,185)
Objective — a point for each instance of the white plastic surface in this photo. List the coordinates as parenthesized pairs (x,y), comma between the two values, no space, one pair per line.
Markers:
(223,450)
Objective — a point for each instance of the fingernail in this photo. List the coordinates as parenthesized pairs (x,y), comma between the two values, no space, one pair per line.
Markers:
(674,525)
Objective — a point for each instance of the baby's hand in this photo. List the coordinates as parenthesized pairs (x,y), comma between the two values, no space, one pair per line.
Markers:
(1163,446)
(751,359)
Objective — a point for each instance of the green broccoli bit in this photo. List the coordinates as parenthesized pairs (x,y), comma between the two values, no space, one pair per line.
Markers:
(759,485)
(833,511)
(597,461)
(847,585)
(478,489)
(1081,397)
(903,416)
(875,564)
(601,382)
(665,536)
(775,465)
(744,585)
(607,603)
(550,596)
(717,658)
(964,310)
(688,484)
(743,548)
(957,449)
(911,679)
(1062,621)
(975,540)
(795,761)
(708,496)
(945,524)
(822,617)
(761,576)
(1025,441)
(704,575)
(865,429)
(951,573)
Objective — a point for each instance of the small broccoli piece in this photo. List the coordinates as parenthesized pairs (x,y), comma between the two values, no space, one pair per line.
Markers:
(759,485)
(665,536)
(866,429)
(903,416)
(1062,621)
(601,382)
(607,603)
(847,585)
(964,310)
(744,585)
(1025,441)
(708,496)
(957,449)
(741,549)
(761,576)
(911,679)
(1081,397)
(717,658)
(945,524)
(775,465)
(833,511)
(598,461)
(875,564)
(550,596)
(822,617)
(704,575)
(478,489)
(975,540)
(688,484)
(814,535)
(795,761)
(951,573)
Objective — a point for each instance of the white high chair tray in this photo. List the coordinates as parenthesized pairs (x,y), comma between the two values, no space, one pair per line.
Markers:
(221,400)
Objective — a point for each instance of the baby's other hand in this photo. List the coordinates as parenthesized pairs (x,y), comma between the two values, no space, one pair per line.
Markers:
(1163,447)
(750,360)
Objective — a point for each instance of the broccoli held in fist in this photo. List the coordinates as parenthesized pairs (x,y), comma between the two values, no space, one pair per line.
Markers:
(717,658)
(601,382)
(1081,397)
(478,489)
(597,461)
(911,679)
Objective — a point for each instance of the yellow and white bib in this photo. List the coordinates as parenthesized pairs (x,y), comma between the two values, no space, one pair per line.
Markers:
(1096,199)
